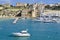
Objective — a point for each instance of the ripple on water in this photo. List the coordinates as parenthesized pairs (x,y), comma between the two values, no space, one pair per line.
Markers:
(39,31)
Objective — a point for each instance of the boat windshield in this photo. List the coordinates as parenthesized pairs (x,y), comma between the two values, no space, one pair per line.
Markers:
(23,32)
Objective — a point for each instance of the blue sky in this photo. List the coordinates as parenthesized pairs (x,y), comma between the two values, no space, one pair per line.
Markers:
(13,2)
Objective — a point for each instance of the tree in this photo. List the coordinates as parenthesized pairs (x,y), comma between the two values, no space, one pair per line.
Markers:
(47,7)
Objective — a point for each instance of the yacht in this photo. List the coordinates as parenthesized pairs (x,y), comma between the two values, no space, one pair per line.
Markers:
(23,33)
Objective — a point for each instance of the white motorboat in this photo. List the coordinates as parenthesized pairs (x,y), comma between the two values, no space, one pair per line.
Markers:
(23,33)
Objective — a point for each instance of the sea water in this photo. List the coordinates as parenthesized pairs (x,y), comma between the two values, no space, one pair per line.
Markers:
(38,31)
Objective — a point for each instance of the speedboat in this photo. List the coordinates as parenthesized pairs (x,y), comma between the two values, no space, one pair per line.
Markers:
(23,33)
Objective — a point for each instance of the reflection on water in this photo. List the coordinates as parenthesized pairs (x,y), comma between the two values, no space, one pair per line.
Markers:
(22,38)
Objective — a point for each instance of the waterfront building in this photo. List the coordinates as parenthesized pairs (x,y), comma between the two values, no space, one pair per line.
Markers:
(6,5)
(40,9)
(51,5)
(34,12)
(26,13)
(21,4)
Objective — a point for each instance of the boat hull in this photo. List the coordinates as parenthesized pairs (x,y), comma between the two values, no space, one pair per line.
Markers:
(21,35)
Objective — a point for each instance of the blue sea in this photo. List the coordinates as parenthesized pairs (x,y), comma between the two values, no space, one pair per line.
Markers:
(38,30)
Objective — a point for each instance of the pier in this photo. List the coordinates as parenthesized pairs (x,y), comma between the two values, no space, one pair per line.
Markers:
(15,20)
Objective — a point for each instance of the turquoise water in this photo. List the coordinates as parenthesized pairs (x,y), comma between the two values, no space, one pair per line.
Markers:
(38,31)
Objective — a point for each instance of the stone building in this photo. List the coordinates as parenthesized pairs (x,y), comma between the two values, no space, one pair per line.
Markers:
(38,9)
(6,5)
(26,13)
(21,4)
(34,10)
(41,9)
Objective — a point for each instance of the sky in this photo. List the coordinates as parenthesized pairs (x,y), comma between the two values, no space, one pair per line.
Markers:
(13,2)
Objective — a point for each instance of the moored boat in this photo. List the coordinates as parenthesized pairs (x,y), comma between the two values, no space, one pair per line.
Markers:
(23,33)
